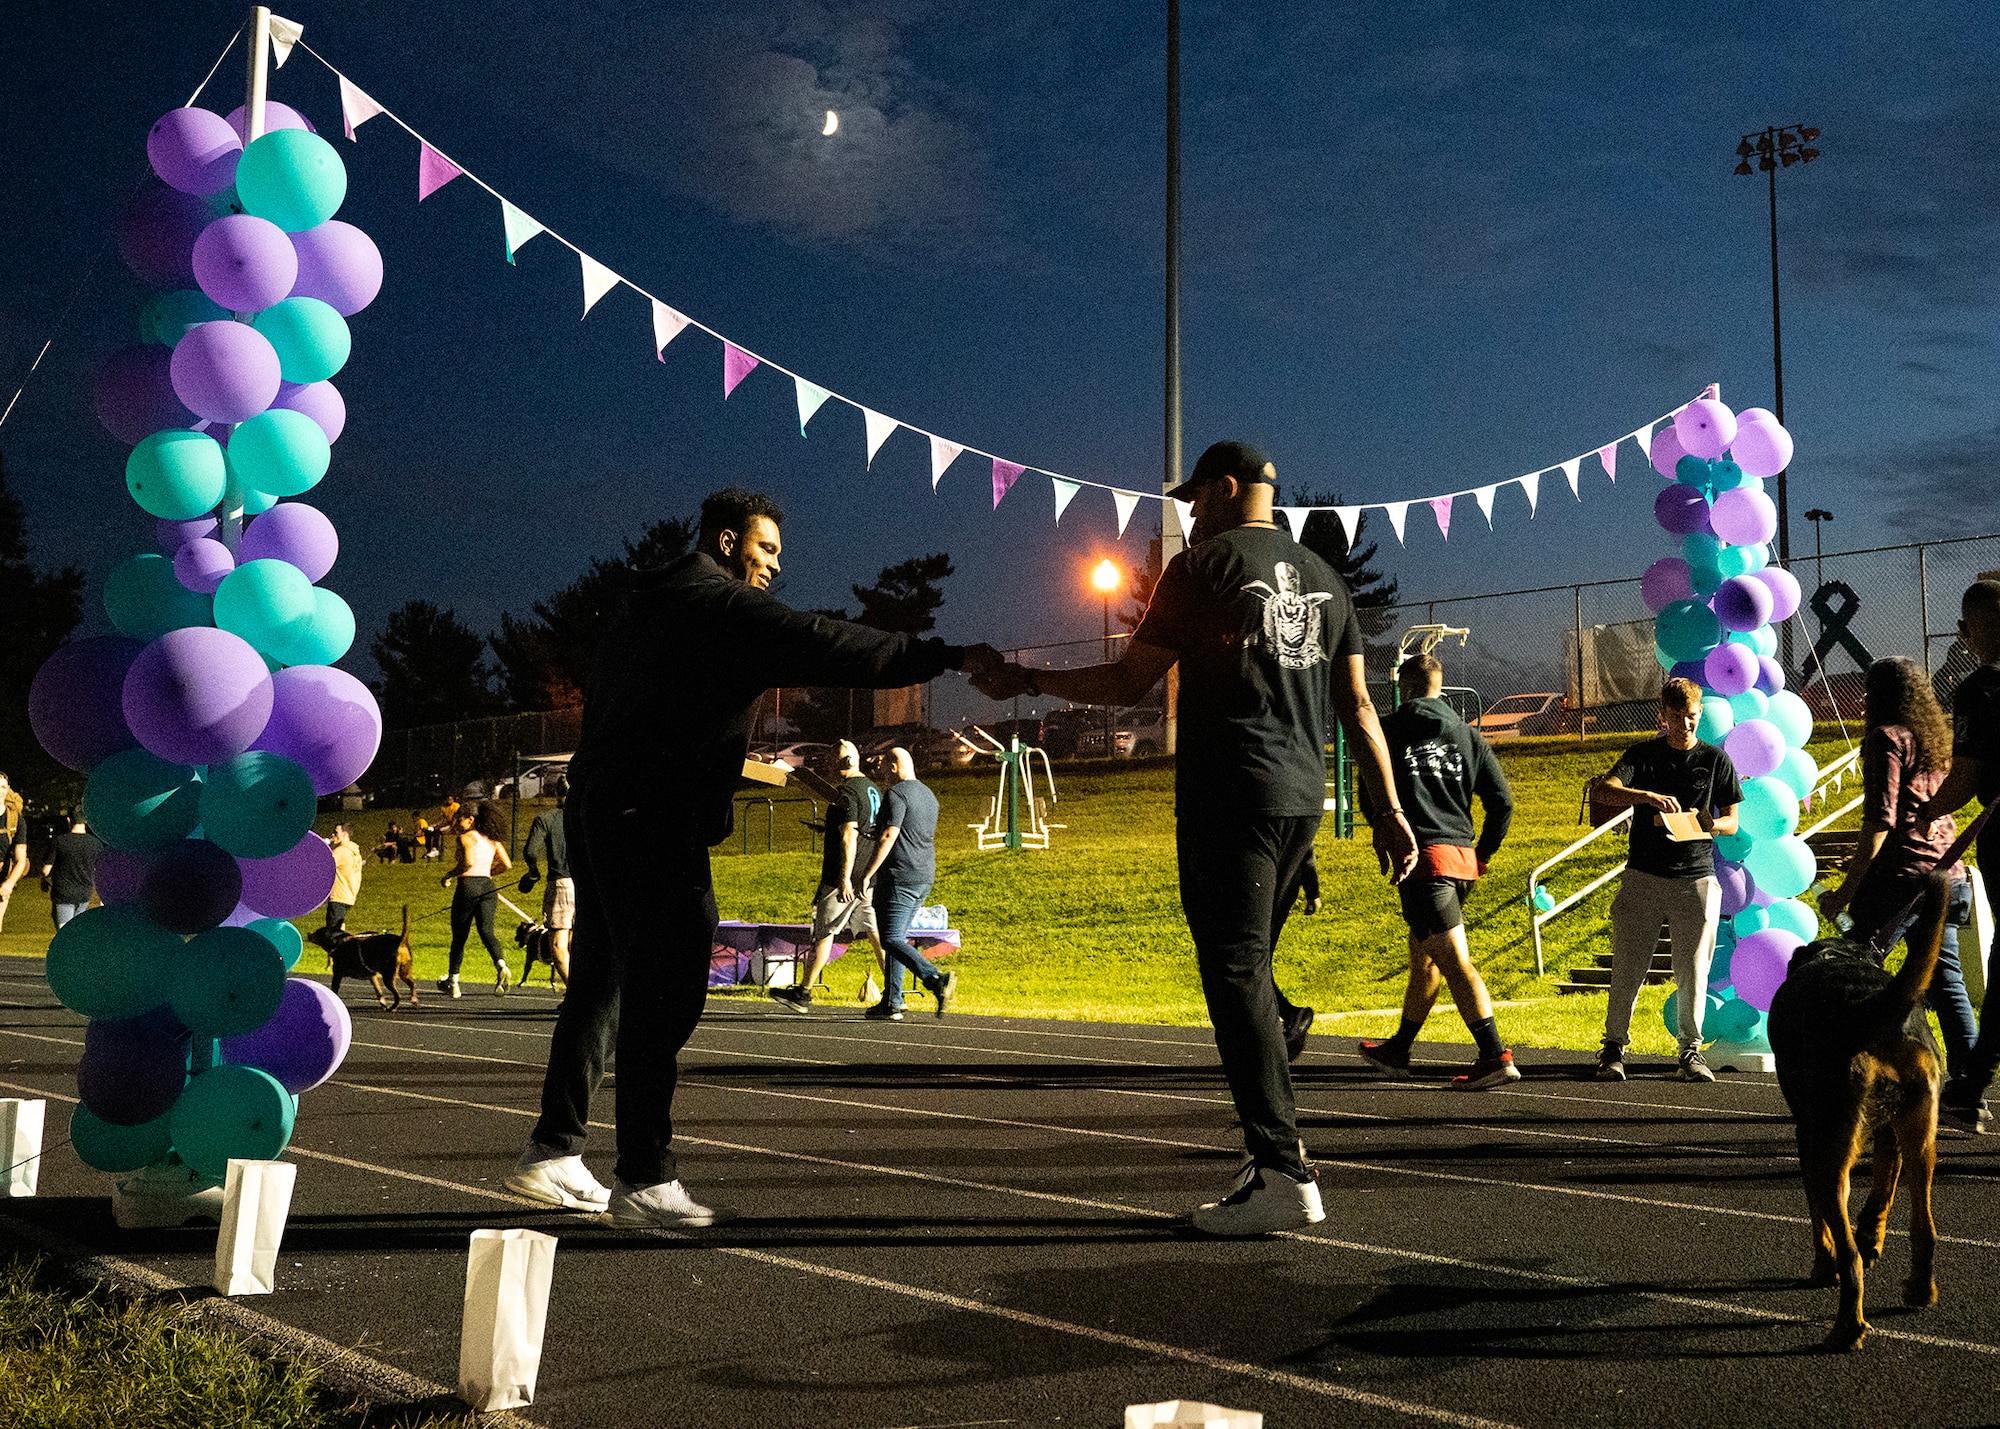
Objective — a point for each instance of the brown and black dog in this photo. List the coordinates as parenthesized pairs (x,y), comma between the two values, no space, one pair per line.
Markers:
(375,956)
(537,944)
(1859,1069)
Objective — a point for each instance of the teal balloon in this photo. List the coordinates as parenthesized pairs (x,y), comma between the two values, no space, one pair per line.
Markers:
(282,935)
(1763,639)
(1751,704)
(1687,630)
(263,601)
(1717,719)
(137,800)
(1670,1010)
(1759,557)
(166,319)
(255,502)
(232,1112)
(280,452)
(311,339)
(1692,471)
(1783,868)
(1740,560)
(1543,899)
(1793,718)
(1751,920)
(292,177)
(1799,770)
(176,475)
(111,962)
(257,805)
(1769,809)
(105,1146)
(1735,1021)
(1795,917)
(1724,475)
(1718,969)
(1734,847)
(1700,548)
(323,639)
(145,599)
(1667,662)
(226,982)
(1705,579)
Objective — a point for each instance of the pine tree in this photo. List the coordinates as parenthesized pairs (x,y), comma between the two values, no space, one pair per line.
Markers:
(434,669)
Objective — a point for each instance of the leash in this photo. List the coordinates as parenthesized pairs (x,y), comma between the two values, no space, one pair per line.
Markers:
(440,912)
(1945,860)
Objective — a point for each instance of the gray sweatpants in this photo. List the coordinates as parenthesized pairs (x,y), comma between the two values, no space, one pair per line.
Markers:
(1690,908)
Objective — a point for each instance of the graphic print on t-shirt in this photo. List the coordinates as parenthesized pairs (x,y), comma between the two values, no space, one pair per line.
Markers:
(1291,618)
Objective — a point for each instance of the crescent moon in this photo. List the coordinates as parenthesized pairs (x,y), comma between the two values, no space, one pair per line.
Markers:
(832,122)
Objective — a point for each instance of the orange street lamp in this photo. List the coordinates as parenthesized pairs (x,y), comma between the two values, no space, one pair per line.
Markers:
(1105,579)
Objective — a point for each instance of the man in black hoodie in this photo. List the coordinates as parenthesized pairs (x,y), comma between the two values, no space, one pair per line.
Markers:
(666,725)
(1441,764)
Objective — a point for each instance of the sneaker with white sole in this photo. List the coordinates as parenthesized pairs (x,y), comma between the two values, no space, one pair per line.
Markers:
(667,1206)
(503,978)
(1611,1062)
(1693,1068)
(448,984)
(1488,1072)
(167,1193)
(1262,1200)
(556,1180)
(946,991)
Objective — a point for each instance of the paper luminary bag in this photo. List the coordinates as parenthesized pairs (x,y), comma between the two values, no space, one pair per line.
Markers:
(21,1143)
(1188,1411)
(506,1309)
(256,1198)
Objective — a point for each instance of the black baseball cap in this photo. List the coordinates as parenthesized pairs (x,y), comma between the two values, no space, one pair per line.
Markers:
(1237,459)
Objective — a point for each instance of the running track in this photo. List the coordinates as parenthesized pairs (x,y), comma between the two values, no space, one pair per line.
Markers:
(973,1222)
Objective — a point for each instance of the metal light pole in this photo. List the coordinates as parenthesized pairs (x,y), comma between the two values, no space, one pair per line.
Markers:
(1172,538)
(1818,517)
(1105,579)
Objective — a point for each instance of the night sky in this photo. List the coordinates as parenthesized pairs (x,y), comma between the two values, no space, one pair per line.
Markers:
(1428,246)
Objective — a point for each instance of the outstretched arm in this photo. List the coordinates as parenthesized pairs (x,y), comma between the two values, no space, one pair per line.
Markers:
(1122,682)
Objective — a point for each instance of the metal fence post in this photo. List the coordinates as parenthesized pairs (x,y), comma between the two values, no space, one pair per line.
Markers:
(1577,593)
(1924,606)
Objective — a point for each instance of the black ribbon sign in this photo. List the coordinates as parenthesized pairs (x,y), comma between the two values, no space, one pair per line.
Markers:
(1833,622)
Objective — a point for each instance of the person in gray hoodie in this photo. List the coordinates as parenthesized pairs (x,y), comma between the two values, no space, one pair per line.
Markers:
(1441,764)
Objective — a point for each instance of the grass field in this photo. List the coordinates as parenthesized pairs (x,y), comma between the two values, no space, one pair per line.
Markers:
(1092,929)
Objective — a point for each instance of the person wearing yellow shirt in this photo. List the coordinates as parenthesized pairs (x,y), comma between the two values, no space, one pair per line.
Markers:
(346,878)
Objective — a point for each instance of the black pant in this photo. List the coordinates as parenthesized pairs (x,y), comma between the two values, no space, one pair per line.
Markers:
(336,916)
(638,977)
(475,902)
(1233,873)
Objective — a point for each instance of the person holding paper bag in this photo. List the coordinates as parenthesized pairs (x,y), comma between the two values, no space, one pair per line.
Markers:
(1682,793)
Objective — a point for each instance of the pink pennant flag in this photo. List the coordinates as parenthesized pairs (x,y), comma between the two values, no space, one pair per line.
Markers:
(667,325)
(356,108)
(434,171)
(1005,474)
(943,454)
(1608,454)
(736,365)
(1441,508)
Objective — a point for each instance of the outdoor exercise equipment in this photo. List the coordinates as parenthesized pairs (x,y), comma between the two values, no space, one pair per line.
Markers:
(1014,817)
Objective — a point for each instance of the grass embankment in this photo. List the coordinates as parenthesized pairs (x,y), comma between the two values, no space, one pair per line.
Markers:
(1092,928)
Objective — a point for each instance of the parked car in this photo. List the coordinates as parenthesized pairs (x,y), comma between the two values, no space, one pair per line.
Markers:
(1088,731)
(1517,715)
(537,780)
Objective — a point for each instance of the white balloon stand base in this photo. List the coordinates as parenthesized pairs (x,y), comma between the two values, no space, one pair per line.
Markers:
(506,1310)
(21,1143)
(1752,1056)
(256,1198)
(1187,1412)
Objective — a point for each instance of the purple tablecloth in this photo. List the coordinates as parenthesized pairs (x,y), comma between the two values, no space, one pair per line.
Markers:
(741,947)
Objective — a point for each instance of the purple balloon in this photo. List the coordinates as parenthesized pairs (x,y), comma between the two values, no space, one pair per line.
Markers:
(294,532)
(1666,581)
(1742,604)
(1770,675)
(305,1041)
(1706,427)
(1730,669)
(1681,510)
(276,116)
(157,233)
(1755,746)
(319,400)
(1736,884)
(1744,518)
(133,393)
(73,701)
(120,872)
(292,884)
(194,150)
(175,534)
(1759,964)
(226,371)
(325,721)
(1785,592)
(1762,446)
(197,695)
(1688,670)
(132,1069)
(338,264)
(1665,451)
(245,263)
(200,564)
(190,886)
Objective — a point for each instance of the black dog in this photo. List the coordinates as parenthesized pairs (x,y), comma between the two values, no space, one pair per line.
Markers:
(537,942)
(375,956)
(1858,1067)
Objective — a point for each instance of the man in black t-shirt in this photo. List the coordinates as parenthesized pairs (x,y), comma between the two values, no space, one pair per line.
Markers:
(70,875)
(1268,645)
(1667,880)
(838,906)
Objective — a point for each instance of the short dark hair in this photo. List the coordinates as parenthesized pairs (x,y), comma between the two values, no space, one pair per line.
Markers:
(1982,599)
(1680,694)
(734,508)
(1415,676)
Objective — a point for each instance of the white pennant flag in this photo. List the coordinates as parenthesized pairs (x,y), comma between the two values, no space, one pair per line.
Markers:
(1295,517)
(1350,522)
(879,428)
(1127,502)
(284,34)
(1484,496)
(1644,437)
(1065,491)
(597,281)
(1185,510)
(1397,511)
(944,453)
(356,108)
(811,398)
(667,325)
(1532,484)
(518,226)
(1570,470)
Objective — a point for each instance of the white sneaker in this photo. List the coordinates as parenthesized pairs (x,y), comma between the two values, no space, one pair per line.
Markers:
(667,1206)
(167,1193)
(542,1175)
(1259,1202)
(503,978)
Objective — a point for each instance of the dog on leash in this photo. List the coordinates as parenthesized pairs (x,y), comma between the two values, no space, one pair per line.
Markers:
(537,943)
(1858,1068)
(382,958)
